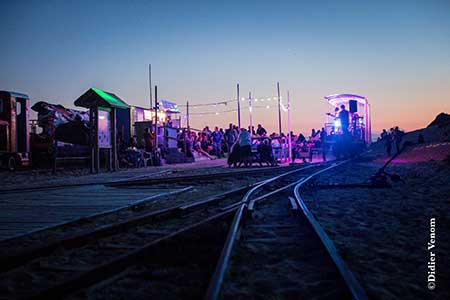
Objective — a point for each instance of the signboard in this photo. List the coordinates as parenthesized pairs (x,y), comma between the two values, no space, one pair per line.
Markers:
(170,106)
(104,128)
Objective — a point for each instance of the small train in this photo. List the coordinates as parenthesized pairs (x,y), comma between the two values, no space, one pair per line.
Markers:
(14,133)
(354,139)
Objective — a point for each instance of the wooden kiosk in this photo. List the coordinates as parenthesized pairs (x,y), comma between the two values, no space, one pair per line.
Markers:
(103,108)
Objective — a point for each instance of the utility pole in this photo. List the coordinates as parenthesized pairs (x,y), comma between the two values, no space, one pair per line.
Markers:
(279,108)
(238,108)
(251,111)
(150,83)
(289,126)
(187,115)
(156,117)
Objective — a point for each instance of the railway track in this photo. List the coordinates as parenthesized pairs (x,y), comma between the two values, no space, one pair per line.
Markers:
(275,249)
(50,210)
(155,179)
(69,265)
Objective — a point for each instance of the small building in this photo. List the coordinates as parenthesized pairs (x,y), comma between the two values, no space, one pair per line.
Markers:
(103,107)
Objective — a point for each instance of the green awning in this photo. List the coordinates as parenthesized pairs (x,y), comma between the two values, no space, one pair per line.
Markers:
(95,97)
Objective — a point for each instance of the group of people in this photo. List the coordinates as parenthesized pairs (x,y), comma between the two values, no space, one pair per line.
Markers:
(392,137)
(241,146)
(245,145)
(215,143)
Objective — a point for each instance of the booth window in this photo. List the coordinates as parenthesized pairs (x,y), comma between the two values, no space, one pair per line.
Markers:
(18,108)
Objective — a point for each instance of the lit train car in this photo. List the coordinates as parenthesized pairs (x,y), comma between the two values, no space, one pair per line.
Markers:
(359,116)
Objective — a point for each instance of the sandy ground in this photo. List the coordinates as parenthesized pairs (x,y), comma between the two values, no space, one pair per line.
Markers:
(383,233)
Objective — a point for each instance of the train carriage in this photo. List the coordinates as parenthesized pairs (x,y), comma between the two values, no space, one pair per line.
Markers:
(14,132)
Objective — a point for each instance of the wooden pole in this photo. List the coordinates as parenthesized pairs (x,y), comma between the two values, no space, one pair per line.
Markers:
(251,111)
(92,138)
(289,126)
(238,108)
(97,149)
(114,137)
(279,108)
(150,83)
(156,117)
(187,115)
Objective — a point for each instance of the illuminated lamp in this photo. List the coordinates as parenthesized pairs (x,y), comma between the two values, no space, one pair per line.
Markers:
(147,115)
(337,123)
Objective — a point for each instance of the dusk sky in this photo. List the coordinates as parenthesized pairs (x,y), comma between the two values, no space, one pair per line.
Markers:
(396,53)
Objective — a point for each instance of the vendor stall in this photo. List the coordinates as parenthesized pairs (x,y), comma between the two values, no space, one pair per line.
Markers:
(103,107)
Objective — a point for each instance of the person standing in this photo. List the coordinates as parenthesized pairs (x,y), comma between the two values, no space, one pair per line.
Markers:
(245,142)
(261,131)
(217,139)
(388,144)
(398,137)
(230,137)
(149,139)
(323,143)
(344,119)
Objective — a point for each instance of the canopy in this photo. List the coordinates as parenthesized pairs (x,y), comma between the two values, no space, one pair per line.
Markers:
(96,97)
(338,99)
(15,94)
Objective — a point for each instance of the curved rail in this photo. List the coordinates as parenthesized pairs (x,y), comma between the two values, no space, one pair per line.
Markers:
(219,273)
(118,263)
(350,280)
(16,259)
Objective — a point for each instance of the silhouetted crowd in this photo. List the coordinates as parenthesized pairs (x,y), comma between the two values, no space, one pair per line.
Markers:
(390,138)
(246,145)
(242,147)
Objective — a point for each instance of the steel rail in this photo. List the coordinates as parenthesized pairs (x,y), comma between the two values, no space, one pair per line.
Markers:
(120,262)
(139,180)
(132,205)
(71,185)
(254,189)
(190,178)
(219,273)
(350,280)
(17,259)
(114,266)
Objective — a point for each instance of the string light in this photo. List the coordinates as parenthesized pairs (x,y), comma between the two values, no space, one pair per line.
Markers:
(249,106)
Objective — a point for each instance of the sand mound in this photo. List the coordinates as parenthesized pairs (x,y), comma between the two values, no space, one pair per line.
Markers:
(436,134)
(441,120)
